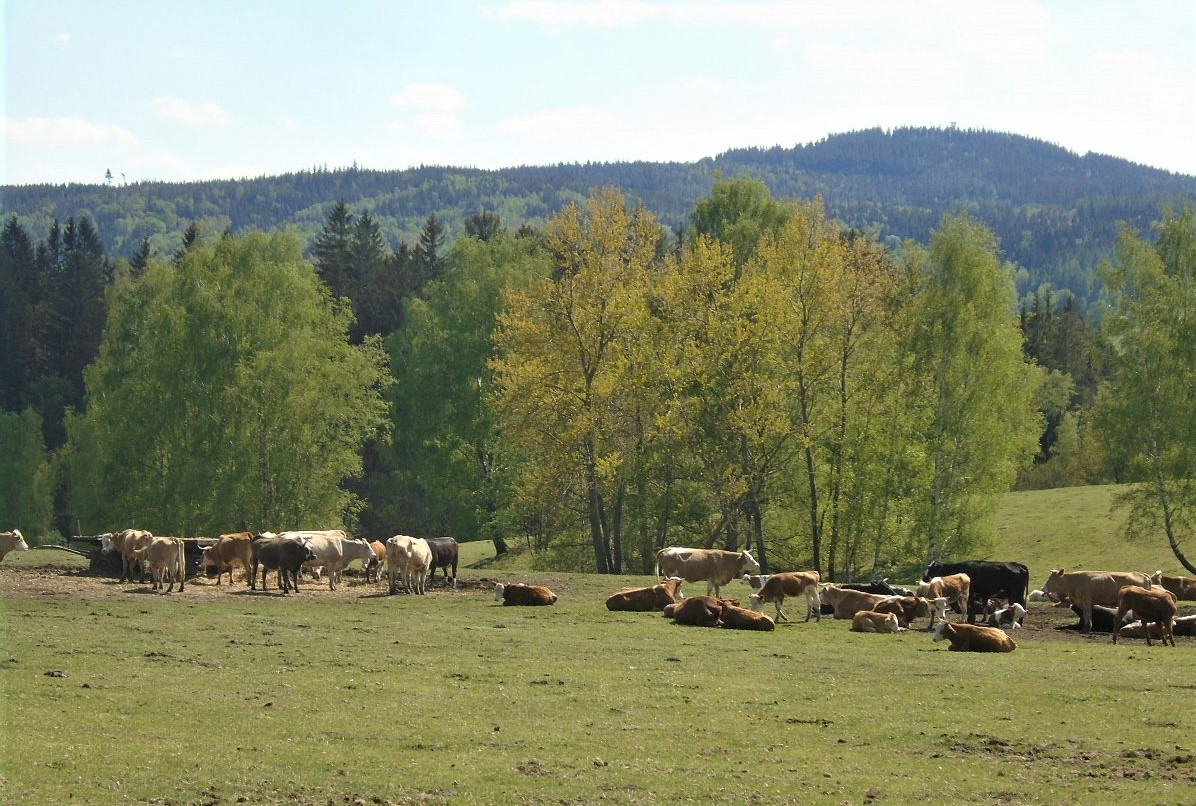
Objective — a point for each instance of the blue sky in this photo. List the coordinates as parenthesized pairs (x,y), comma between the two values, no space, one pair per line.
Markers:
(186,89)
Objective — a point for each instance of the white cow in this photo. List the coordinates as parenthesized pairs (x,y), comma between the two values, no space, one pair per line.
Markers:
(334,550)
(12,541)
(409,558)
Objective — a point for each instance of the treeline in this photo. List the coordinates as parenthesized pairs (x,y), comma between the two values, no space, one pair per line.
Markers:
(593,388)
(1055,214)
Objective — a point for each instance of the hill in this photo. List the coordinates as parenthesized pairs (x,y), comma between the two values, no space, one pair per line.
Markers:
(1054,212)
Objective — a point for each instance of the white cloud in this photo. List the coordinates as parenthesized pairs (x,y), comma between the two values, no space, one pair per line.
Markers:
(58,132)
(551,124)
(434,97)
(199,115)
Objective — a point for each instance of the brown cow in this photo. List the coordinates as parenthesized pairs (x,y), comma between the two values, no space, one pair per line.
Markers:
(908,608)
(1184,588)
(955,588)
(973,638)
(714,566)
(12,541)
(373,568)
(125,543)
(165,557)
(518,593)
(642,600)
(872,621)
(847,602)
(790,583)
(738,618)
(696,611)
(1087,588)
(1149,605)
(235,547)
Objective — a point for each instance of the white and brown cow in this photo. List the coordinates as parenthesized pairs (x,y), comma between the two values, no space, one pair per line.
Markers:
(1182,587)
(1087,588)
(519,593)
(872,621)
(12,541)
(955,588)
(229,549)
(713,566)
(642,600)
(334,550)
(373,568)
(1151,606)
(409,559)
(973,637)
(166,558)
(908,608)
(790,583)
(846,602)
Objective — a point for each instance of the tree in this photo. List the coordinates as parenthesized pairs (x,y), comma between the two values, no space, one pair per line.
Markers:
(483,225)
(21,356)
(738,212)
(1147,413)
(25,473)
(427,253)
(332,251)
(226,395)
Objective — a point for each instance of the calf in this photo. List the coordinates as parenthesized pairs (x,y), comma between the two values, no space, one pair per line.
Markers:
(846,603)
(908,608)
(165,557)
(1008,617)
(696,611)
(790,583)
(373,568)
(1150,605)
(973,638)
(518,593)
(1037,595)
(872,621)
(12,541)
(642,600)
(956,588)
(235,547)
(738,618)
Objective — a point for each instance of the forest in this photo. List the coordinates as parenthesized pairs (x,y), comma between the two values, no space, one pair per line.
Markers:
(759,374)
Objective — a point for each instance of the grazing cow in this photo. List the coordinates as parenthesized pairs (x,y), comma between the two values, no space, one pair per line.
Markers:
(955,588)
(408,558)
(714,566)
(445,553)
(643,600)
(696,611)
(334,550)
(518,593)
(1008,617)
(1183,625)
(755,581)
(1087,588)
(282,555)
(165,557)
(738,618)
(908,608)
(1010,580)
(790,583)
(12,541)
(373,569)
(1182,587)
(235,547)
(845,602)
(872,621)
(125,543)
(1151,605)
(973,637)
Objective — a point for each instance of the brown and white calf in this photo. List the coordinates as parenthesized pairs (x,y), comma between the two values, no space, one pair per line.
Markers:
(1004,616)
(908,608)
(642,600)
(1150,605)
(872,621)
(973,637)
(790,583)
(955,588)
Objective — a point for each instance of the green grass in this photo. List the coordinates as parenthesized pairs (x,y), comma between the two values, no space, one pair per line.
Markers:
(454,699)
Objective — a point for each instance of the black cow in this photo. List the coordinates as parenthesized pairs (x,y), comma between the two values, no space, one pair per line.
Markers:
(444,554)
(1009,581)
(882,586)
(1104,619)
(284,556)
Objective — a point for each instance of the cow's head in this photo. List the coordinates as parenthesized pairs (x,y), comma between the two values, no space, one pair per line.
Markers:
(749,561)
(106,544)
(757,604)
(1051,586)
(498,590)
(939,606)
(935,569)
(20,544)
(940,629)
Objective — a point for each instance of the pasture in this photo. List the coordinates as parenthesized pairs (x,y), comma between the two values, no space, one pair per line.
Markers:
(222,696)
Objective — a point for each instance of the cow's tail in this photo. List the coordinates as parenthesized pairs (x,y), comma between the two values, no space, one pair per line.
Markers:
(658,562)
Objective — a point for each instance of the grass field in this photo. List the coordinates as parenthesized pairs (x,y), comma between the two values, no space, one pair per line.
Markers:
(220,696)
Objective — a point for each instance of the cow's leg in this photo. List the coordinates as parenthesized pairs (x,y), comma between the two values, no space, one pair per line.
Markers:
(1086,621)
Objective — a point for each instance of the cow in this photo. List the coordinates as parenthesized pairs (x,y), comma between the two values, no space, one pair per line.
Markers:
(283,555)
(872,621)
(714,566)
(373,568)
(790,583)
(519,593)
(973,637)
(125,543)
(881,587)
(738,618)
(1008,617)
(1184,588)
(334,550)
(955,588)
(1038,595)
(1087,588)
(12,541)
(988,578)
(235,547)
(845,602)
(643,600)
(696,611)
(1183,625)
(754,581)
(409,559)
(1102,619)
(165,557)
(445,553)
(908,608)
(1150,605)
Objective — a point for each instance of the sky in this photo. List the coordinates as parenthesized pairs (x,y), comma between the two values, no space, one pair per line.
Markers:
(181,90)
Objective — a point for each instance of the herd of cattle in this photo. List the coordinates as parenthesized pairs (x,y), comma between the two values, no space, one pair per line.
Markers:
(1127,604)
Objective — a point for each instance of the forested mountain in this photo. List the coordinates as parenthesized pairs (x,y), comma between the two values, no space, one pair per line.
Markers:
(1054,213)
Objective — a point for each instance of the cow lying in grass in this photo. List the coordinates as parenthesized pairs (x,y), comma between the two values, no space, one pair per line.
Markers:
(738,618)
(1183,625)
(518,593)
(871,621)
(973,638)
(908,608)
(643,600)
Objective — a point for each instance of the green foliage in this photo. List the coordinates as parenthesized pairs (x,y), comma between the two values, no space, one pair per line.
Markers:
(225,396)
(25,475)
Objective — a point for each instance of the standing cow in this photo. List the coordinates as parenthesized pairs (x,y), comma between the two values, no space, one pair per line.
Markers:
(270,551)
(713,566)
(12,541)
(235,547)
(445,553)
(409,558)
(790,583)
(989,579)
(1087,588)
(165,557)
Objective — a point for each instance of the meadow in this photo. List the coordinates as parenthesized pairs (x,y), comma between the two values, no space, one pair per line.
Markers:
(112,694)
